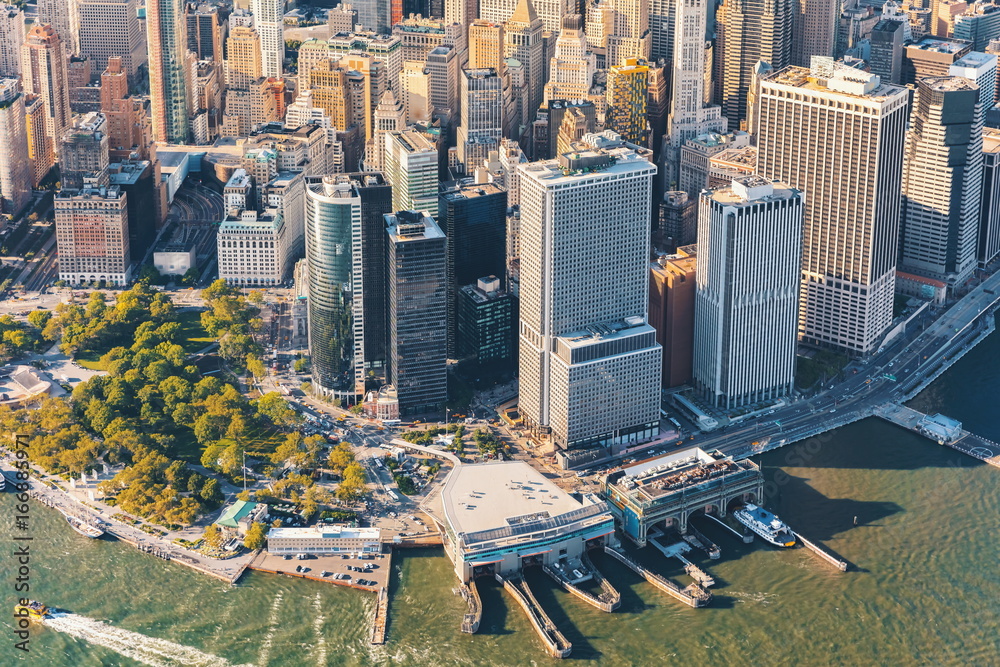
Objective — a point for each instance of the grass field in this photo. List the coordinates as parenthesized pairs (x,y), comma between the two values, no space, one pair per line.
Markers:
(193,336)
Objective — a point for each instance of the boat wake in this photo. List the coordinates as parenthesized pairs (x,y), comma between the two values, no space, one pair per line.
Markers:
(138,647)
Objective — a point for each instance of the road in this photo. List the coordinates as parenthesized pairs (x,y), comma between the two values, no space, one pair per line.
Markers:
(889,376)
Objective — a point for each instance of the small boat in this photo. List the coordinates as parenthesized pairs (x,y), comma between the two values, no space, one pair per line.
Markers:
(767,525)
(33,610)
(84,528)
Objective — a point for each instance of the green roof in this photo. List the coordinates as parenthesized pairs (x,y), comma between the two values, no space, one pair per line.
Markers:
(238,510)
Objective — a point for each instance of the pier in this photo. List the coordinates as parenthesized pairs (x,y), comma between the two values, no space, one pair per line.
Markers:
(693,596)
(823,553)
(943,430)
(555,643)
(695,538)
(609,598)
(677,550)
(473,617)
(381,617)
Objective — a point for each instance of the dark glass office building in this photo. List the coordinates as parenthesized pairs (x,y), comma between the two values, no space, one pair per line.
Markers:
(417,282)
(474,218)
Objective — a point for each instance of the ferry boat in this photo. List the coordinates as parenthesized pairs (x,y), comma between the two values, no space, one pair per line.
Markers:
(84,528)
(36,611)
(767,525)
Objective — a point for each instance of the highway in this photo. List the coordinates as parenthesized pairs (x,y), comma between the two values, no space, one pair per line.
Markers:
(912,360)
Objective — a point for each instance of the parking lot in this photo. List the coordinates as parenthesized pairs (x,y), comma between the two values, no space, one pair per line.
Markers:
(337,569)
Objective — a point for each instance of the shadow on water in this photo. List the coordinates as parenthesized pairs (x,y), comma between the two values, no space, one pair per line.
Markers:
(545,591)
(496,606)
(624,580)
(815,515)
(829,450)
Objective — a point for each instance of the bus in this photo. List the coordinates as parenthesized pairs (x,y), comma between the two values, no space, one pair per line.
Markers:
(377,461)
(675,423)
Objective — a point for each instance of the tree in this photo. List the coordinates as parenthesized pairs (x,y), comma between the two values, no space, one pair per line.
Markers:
(340,457)
(300,365)
(354,484)
(211,493)
(256,366)
(214,536)
(274,407)
(256,537)
(39,318)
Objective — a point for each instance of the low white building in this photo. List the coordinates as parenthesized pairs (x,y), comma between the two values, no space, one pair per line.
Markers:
(503,515)
(324,540)
(254,248)
(174,260)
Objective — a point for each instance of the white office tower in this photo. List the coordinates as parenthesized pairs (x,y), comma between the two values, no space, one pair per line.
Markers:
(389,117)
(550,11)
(411,167)
(110,28)
(64,17)
(571,70)
(268,19)
(747,292)
(839,140)
(11,37)
(589,362)
(689,116)
(485,100)
(981,69)
(942,181)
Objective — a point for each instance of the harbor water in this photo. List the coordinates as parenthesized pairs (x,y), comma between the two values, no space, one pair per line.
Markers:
(918,522)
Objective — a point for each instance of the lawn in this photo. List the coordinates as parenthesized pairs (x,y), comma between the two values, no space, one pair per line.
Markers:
(90,359)
(824,365)
(193,335)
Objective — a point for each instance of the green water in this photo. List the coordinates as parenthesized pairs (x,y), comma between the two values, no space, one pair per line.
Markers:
(925,588)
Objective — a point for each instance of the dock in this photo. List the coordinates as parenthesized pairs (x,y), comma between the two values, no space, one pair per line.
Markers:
(943,430)
(555,643)
(824,553)
(381,617)
(473,617)
(609,598)
(696,539)
(693,596)
(677,550)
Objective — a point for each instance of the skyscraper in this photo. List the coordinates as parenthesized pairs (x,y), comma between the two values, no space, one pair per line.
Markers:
(244,63)
(748,31)
(92,236)
(485,99)
(336,216)
(166,35)
(887,50)
(205,32)
(989,215)
(671,311)
(45,75)
(64,17)
(486,42)
(11,38)
(689,116)
(627,96)
(746,300)
(589,362)
(417,321)
(815,30)
(110,28)
(83,152)
(269,20)
(473,216)
(41,151)
(550,11)
(942,181)
(844,155)
(411,166)
(523,41)
(15,167)
(572,67)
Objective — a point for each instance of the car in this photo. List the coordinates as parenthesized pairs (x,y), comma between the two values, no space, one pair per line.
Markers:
(287,557)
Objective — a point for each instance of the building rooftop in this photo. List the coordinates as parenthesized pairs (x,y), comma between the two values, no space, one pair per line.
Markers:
(577,165)
(458,190)
(655,478)
(325,532)
(938,45)
(750,190)
(404,226)
(991,140)
(976,59)
(235,512)
(946,84)
(127,172)
(843,81)
(506,496)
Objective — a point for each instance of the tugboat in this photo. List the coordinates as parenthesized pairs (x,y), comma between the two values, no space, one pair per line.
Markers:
(84,528)
(34,610)
(767,525)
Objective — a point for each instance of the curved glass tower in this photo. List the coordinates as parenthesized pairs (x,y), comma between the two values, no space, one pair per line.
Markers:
(333,257)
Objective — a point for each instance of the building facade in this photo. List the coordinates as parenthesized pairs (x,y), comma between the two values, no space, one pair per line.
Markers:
(589,363)
(847,286)
(44,60)
(942,181)
(110,28)
(417,354)
(746,299)
(92,236)
(15,164)
(671,311)
(166,35)
(254,248)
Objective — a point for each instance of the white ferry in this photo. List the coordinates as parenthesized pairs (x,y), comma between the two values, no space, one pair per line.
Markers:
(82,527)
(767,525)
